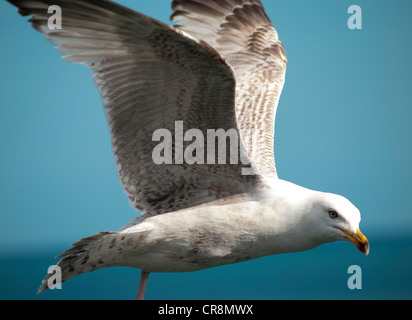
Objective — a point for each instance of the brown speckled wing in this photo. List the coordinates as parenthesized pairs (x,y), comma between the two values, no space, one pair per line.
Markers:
(242,33)
(149,75)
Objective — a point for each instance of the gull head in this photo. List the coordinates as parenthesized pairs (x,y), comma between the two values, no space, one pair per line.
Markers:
(334,218)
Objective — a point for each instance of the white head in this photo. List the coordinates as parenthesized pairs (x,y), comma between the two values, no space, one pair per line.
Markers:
(332,218)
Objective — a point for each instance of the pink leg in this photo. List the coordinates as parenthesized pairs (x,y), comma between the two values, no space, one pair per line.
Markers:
(142,285)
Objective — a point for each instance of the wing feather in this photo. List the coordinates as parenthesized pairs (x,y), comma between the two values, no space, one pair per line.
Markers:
(150,76)
(243,34)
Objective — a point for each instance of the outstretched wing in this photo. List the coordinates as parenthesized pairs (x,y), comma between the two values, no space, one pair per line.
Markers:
(243,34)
(150,76)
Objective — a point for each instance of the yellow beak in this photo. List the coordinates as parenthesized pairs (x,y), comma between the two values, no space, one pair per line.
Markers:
(358,239)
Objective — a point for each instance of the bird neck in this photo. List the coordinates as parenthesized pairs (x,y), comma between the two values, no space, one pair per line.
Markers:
(286,214)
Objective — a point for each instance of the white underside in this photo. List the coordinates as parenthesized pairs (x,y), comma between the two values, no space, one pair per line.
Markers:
(209,236)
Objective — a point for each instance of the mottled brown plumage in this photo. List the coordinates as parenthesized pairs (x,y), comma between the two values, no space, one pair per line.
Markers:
(244,35)
(151,75)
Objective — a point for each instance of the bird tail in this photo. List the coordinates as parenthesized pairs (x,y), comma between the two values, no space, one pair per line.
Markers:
(85,256)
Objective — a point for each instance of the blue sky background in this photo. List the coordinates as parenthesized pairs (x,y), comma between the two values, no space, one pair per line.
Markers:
(343,125)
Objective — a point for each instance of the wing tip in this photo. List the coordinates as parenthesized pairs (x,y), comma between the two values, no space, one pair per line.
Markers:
(20,8)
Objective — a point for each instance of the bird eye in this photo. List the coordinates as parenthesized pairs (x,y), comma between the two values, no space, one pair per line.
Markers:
(333,214)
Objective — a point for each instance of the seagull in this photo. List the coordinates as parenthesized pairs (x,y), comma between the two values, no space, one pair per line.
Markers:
(219,66)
